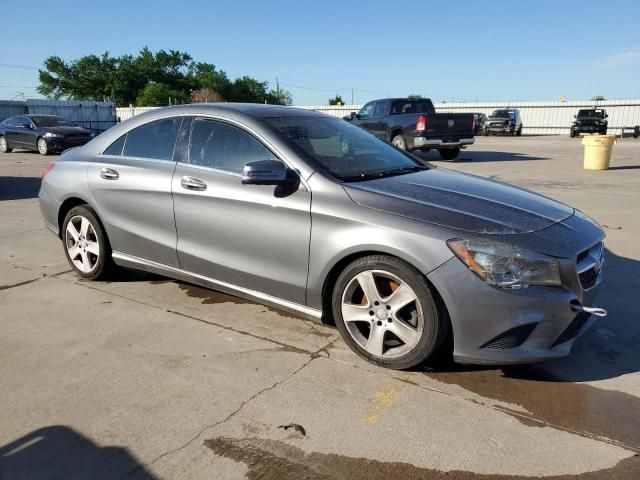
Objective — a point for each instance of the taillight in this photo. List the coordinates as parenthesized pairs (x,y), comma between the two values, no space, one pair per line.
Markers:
(421,124)
(46,170)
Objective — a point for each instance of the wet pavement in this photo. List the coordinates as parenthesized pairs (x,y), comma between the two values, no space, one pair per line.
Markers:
(145,377)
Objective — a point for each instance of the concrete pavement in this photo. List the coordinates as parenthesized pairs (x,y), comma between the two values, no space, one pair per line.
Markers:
(145,377)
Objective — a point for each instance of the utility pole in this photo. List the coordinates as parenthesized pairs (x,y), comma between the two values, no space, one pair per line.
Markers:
(277,91)
(352,96)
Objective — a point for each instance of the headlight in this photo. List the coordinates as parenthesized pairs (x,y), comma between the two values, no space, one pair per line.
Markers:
(52,135)
(505,266)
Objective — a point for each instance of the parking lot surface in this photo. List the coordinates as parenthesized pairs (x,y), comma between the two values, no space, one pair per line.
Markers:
(144,377)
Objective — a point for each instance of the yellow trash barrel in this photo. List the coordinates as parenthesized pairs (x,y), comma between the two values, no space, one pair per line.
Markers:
(597,151)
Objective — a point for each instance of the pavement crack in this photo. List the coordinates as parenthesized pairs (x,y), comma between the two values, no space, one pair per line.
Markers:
(313,356)
(27,282)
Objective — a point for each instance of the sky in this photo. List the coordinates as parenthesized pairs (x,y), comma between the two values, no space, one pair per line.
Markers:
(445,50)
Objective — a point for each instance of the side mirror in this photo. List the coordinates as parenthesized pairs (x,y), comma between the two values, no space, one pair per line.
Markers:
(266,172)
(606,115)
(350,117)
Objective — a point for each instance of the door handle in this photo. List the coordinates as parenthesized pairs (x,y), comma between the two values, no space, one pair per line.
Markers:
(109,174)
(193,183)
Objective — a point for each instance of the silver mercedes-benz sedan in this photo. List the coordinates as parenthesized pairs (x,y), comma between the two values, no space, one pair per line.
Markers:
(310,214)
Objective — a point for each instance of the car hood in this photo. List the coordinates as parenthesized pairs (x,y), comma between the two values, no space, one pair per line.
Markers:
(460,201)
(67,130)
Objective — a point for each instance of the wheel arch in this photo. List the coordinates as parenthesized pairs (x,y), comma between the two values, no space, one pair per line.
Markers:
(341,264)
(66,206)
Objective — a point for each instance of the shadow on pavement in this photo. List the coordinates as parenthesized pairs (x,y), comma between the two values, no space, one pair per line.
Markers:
(479,156)
(61,452)
(19,188)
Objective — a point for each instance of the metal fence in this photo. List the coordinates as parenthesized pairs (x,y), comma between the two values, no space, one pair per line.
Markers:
(538,118)
(93,115)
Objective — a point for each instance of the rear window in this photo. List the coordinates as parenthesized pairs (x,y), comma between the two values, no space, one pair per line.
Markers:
(154,140)
(403,107)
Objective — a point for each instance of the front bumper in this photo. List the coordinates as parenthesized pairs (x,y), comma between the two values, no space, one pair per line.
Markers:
(589,128)
(497,128)
(503,326)
(56,144)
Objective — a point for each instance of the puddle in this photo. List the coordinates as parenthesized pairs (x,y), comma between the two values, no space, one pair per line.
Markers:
(572,406)
(211,297)
(274,460)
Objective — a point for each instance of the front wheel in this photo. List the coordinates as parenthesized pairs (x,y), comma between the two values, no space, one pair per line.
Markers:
(4,145)
(85,244)
(519,131)
(572,133)
(43,146)
(386,312)
(449,153)
(399,142)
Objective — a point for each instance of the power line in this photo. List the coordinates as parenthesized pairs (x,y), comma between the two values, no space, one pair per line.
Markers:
(17,86)
(21,67)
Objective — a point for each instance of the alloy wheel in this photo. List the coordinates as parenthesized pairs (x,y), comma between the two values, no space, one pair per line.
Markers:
(82,244)
(3,144)
(382,314)
(43,148)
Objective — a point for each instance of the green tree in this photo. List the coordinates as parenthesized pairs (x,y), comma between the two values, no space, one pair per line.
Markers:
(147,77)
(159,94)
(337,100)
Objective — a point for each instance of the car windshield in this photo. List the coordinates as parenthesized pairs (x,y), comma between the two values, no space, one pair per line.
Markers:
(501,114)
(591,113)
(347,152)
(50,122)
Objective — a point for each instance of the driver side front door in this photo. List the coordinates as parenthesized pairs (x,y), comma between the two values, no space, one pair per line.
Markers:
(250,236)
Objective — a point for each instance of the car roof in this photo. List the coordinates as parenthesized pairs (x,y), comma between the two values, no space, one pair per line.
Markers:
(258,110)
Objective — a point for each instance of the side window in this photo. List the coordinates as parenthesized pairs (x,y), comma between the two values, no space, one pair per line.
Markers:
(224,147)
(154,140)
(116,147)
(366,111)
(380,109)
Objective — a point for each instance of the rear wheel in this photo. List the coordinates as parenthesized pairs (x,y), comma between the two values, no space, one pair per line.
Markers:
(449,153)
(519,131)
(399,142)
(43,146)
(572,133)
(86,245)
(636,132)
(4,145)
(386,313)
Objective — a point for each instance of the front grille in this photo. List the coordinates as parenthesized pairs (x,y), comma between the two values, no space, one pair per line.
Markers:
(588,278)
(511,338)
(589,264)
(573,329)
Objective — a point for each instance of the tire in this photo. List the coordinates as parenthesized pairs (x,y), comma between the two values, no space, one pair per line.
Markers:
(449,153)
(86,245)
(636,132)
(422,324)
(42,146)
(4,145)
(603,132)
(572,133)
(486,133)
(399,142)
(519,131)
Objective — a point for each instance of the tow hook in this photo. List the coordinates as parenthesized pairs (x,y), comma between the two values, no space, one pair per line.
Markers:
(597,311)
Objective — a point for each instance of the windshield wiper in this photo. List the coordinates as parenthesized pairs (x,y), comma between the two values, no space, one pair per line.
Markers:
(384,173)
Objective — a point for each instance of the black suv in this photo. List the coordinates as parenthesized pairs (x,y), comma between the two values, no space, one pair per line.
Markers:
(589,121)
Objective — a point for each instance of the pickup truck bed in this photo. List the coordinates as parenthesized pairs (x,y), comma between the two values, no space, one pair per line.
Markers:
(413,124)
